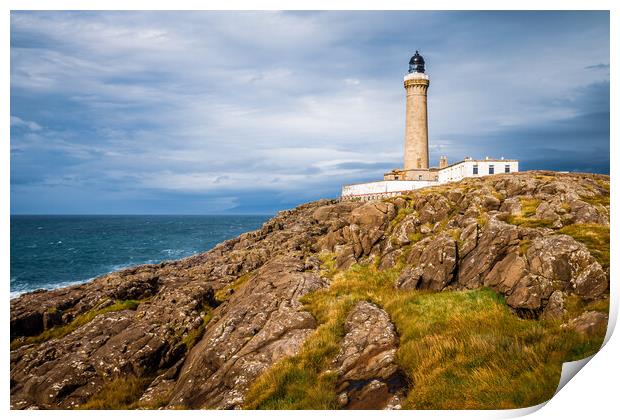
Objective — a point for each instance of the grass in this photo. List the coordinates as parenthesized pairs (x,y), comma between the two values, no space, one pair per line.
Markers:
(400,216)
(529,206)
(224,293)
(415,237)
(85,318)
(603,184)
(459,349)
(525,219)
(575,306)
(466,350)
(121,393)
(597,200)
(524,245)
(595,237)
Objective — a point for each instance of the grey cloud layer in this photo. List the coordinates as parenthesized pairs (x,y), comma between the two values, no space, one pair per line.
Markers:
(220,111)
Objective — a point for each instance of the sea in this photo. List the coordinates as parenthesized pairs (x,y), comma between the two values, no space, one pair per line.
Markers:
(49,252)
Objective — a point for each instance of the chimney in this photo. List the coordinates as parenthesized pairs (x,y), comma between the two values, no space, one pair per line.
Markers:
(443,162)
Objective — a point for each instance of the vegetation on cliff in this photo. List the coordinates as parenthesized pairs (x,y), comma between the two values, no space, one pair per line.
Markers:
(466,295)
(458,349)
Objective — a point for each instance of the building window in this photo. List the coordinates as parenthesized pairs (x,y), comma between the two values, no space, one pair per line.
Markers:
(436,177)
(475,169)
(396,178)
(491,169)
(507,169)
(419,177)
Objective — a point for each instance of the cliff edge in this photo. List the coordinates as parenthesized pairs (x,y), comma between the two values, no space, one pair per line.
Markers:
(464,295)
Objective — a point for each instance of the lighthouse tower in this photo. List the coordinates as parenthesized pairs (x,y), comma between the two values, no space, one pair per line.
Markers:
(416,120)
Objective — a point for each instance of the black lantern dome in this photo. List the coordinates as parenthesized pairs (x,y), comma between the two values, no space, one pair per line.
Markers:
(416,64)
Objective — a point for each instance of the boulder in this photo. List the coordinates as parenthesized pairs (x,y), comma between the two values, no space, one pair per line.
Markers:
(433,264)
(562,259)
(495,240)
(588,323)
(555,307)
(366,363)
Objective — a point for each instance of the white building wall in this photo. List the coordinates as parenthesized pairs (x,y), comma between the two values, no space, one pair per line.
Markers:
(465,169)
(454,173)
(383,188)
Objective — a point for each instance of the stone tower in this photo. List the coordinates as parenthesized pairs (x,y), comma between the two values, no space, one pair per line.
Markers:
(416,121)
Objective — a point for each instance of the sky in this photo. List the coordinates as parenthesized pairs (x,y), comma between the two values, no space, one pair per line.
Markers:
(255,112)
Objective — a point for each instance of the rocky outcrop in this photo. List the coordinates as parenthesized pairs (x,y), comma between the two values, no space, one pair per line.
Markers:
(368,375)
(588,323)
(257,326)
(199,331)
(433,264)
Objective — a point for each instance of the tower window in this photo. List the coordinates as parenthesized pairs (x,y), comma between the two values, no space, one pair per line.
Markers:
(475,169)
(507,169)
(491,169)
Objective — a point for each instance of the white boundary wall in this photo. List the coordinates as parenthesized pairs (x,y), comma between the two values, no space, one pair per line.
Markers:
(372,190)
(453,173)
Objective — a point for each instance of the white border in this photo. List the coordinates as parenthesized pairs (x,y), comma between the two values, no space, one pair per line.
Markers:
(591,395)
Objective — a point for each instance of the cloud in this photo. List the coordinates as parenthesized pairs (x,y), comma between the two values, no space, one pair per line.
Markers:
(600,66)
(258,111)
(18,122)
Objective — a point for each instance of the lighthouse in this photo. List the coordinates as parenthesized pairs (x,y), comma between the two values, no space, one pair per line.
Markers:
(416,118)
(416,172)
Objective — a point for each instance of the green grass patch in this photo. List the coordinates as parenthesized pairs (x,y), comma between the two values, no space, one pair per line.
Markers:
(224,293)
(525,219)
(328,264)
(121,393)
(595,237)
(459,349)
(528,222)
(529,206)
(415,237)
(85,318)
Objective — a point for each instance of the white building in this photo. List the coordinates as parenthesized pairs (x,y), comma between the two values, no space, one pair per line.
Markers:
(467,168)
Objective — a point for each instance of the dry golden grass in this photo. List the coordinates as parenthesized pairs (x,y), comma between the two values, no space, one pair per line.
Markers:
(575,306)
(121,393)
(224,293)
(595,237)
(525,218)
(459,349)
(597,200)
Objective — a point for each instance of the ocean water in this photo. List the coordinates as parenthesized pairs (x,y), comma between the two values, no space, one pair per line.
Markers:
(48,252)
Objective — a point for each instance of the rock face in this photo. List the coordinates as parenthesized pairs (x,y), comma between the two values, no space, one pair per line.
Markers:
(258,326)
(368,376)
(199,331)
